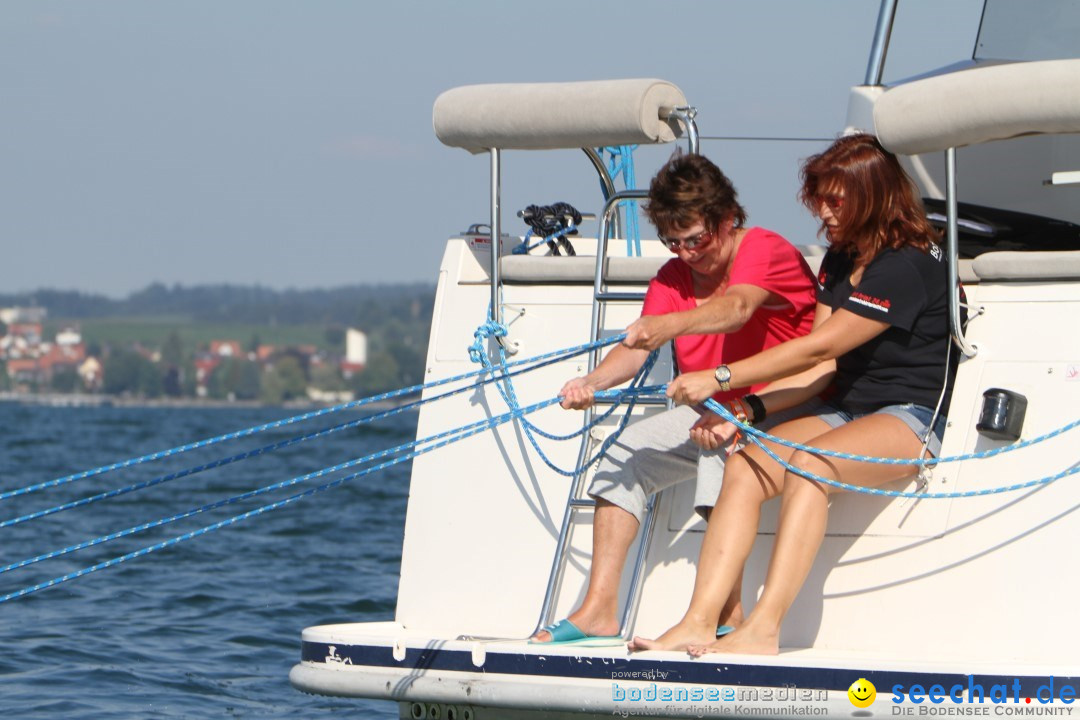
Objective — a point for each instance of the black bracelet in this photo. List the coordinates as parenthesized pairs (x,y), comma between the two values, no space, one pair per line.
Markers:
(756,406)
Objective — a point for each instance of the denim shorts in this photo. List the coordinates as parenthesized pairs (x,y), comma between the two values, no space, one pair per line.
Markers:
(916,417)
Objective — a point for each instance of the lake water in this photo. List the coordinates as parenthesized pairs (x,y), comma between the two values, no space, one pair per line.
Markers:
(209,627)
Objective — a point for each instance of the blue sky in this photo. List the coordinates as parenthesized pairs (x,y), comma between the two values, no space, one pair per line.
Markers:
(289,144)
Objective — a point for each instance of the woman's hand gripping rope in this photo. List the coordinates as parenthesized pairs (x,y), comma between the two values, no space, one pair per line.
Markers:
(693,388)
(577,394)
(712,432)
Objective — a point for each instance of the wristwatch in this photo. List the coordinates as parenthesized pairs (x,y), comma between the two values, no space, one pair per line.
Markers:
(723,376)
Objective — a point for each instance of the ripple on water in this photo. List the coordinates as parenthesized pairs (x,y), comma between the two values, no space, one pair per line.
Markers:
(209,627)
(370,606)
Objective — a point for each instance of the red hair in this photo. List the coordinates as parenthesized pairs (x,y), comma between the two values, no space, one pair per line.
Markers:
(881,205)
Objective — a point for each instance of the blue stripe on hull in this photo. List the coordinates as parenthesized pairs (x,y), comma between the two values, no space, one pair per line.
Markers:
(686,671)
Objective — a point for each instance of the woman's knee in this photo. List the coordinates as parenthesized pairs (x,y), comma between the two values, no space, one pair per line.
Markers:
(743,477)
(804,466)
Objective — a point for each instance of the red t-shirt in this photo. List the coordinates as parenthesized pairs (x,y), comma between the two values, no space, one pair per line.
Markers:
(764,259)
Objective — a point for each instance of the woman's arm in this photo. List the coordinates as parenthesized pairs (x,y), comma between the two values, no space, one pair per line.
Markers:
(726,313)
(791,390)
(795,389)
(839,332)
(711,431)
(617,367)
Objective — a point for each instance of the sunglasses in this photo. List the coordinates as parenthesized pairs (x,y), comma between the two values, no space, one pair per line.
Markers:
(833,202)
(689,243)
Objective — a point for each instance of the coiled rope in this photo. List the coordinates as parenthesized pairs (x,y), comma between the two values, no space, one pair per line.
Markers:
(553,223)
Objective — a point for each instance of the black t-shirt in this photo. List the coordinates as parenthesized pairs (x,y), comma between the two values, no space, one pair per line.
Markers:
(908,289)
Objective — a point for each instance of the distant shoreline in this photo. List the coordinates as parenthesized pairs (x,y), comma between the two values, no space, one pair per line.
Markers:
(88,400)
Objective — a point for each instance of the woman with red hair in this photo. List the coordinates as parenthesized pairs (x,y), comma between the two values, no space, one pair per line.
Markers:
(882,326)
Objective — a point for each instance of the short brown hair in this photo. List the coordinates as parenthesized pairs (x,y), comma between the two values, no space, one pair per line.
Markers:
(881,205)
(689,188)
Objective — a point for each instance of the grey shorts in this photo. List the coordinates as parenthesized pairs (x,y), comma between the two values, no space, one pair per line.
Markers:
(916,417)
(656,452)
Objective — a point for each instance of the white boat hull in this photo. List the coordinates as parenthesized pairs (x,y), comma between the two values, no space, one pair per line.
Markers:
(489,678)
(925,592)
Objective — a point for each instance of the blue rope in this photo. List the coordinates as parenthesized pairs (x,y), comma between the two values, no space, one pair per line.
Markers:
(459,433)
(516,413)
(755,432)
(758,437)
(463,431)
(439,440)
(562,354)
(263,450)
(506,389)
(477,353)
(489,329)
(905,494)
(635,388)
(621,162)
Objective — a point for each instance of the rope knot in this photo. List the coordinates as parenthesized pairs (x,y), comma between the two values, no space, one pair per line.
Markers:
(489,329)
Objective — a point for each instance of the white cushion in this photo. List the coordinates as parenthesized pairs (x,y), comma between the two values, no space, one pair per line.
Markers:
(1020,266)
(979,105)
(549,116)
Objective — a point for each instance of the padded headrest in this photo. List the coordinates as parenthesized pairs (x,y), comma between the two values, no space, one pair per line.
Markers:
(550,116)
(979,105)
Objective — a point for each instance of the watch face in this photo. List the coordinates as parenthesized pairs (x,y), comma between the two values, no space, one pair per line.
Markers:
(723,373)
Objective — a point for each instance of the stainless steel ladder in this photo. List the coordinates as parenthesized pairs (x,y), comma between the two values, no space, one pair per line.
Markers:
(577,501)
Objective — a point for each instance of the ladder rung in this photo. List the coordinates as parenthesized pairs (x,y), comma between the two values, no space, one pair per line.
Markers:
(582,503)
(606,296)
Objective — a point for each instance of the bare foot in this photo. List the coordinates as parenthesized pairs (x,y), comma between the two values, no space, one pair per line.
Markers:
(677,638)
(743,641)
(588,624)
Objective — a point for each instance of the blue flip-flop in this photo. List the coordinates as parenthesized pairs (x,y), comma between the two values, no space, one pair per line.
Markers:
(565,632)
(722,630)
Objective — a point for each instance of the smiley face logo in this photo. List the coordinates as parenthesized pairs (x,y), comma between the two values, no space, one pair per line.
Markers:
(862,693)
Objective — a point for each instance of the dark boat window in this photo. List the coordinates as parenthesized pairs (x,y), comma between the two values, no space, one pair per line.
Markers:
(983,229)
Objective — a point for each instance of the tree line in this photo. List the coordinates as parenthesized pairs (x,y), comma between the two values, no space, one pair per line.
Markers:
(396,319)
(349,305)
